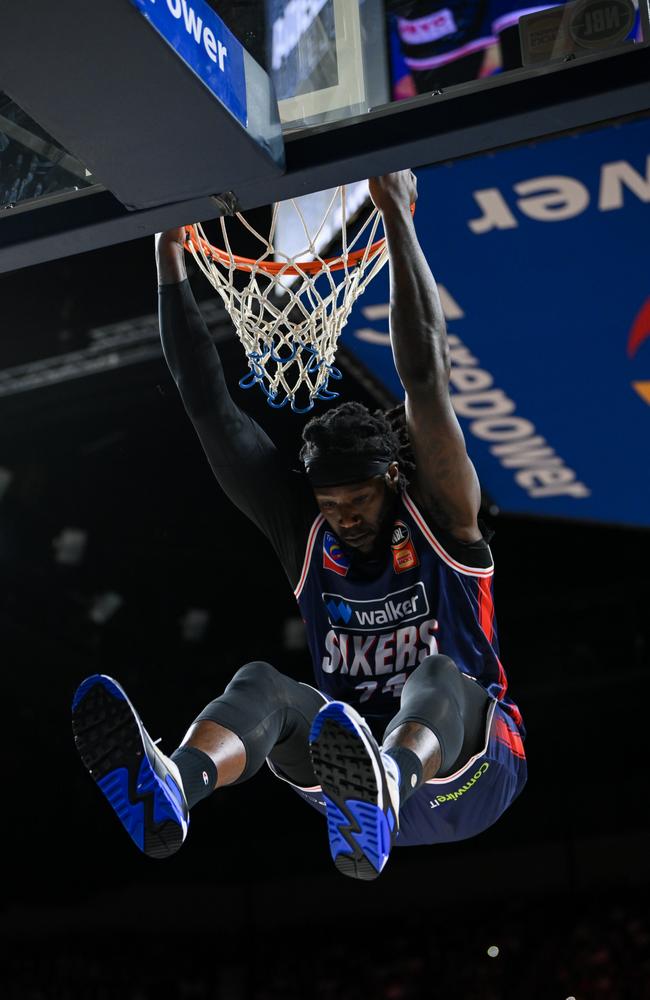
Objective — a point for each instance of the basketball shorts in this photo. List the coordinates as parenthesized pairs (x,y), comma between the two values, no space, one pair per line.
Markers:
(463,804)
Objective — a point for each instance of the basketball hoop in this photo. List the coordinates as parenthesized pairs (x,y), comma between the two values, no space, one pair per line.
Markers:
(290,314)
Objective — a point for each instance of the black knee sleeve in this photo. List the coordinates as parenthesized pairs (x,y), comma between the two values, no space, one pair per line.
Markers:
(437,696)
(271,714)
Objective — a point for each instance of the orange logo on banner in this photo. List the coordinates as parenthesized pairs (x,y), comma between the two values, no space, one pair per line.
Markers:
(638,334)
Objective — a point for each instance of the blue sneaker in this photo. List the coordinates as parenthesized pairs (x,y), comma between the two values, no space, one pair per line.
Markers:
(361,790)
(142,785)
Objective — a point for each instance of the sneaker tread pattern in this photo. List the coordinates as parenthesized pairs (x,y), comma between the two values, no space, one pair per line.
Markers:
(357,828)
(109,742)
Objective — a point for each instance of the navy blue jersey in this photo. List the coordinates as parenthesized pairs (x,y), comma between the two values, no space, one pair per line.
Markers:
(367,635)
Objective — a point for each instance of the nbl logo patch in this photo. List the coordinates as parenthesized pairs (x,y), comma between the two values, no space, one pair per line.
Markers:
(333,558)
(404,554)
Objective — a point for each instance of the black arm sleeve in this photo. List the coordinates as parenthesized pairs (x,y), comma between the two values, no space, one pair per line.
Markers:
(245,461)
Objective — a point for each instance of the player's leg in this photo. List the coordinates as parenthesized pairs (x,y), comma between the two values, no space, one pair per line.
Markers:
(441,720)
(465,802)
(261,714)
(440,723)
(465,745)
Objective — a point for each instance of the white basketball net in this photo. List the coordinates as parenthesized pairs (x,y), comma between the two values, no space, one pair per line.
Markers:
(292,309)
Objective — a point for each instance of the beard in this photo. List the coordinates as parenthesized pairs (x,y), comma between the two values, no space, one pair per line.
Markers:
(369,564)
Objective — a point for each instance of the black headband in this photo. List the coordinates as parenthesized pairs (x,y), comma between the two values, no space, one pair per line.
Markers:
(339,470)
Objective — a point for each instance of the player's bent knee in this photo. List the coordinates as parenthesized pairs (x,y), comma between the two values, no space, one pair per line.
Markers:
(254,692)
(257,672)
(435,665)
(436,669)
(434,697)
(260,680)
(433,686)
(260,689)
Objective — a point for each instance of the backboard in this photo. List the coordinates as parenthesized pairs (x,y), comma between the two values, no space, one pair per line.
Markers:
(228,103)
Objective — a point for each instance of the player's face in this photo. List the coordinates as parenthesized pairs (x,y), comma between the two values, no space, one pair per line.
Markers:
(358,511)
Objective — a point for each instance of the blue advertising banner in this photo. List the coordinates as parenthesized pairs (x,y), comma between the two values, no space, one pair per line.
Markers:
(204,43)
(541,255)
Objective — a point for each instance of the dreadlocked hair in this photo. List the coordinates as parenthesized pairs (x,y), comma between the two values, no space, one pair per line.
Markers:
(351,429)
(405,457)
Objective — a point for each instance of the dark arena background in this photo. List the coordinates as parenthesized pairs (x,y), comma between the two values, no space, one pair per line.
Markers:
(120,554)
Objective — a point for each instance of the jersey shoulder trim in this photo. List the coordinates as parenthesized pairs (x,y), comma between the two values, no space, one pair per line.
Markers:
(459,567)
(308,551)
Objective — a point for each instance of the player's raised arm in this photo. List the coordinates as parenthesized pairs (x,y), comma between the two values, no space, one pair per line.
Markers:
(446,481)
(188,348)
(240,453)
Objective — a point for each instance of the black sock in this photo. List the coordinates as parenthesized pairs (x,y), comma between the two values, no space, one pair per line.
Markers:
(410,770)
(198,773)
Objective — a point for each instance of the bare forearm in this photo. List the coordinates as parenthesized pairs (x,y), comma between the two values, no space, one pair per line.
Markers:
(170,261)
(417,323)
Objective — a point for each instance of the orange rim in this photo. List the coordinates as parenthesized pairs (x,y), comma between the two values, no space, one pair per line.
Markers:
(274,266)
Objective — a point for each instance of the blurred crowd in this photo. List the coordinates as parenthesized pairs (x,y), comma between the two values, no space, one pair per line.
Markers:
(538,949)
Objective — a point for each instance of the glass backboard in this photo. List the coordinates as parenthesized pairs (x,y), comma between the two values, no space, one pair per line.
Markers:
(362,87)
(331,60)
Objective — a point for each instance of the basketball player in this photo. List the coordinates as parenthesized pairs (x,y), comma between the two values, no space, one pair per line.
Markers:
(408,736)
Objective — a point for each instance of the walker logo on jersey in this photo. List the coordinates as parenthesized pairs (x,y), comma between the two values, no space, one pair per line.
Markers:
(404,554)
(333,558)
(373,616)
(338,612)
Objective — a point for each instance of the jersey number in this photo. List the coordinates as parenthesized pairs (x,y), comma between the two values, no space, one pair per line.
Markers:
(392,686)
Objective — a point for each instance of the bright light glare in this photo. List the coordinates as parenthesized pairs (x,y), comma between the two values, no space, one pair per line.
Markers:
(493,951)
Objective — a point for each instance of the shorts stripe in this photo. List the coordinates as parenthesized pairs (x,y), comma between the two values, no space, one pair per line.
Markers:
(510,738)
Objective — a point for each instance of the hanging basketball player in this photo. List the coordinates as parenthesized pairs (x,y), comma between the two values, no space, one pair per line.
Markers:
(408,735)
